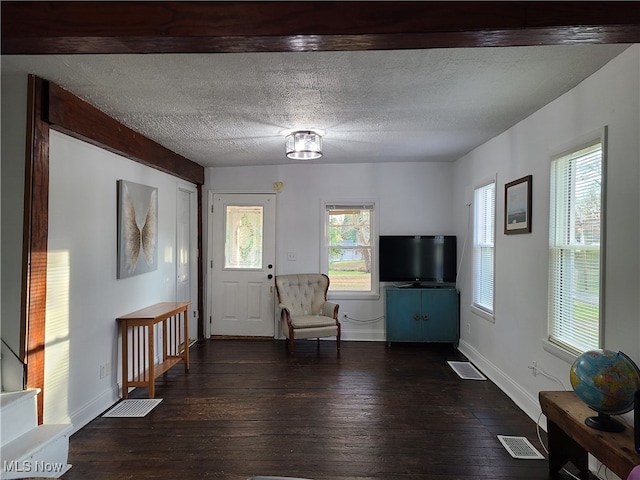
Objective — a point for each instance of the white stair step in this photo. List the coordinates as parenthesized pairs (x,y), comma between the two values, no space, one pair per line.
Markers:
(18,414)
(41,452)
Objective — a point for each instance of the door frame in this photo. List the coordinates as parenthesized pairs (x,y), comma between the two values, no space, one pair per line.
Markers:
(208,292)
(194,254)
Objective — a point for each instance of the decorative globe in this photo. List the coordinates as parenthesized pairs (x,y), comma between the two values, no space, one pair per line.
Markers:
(606,381)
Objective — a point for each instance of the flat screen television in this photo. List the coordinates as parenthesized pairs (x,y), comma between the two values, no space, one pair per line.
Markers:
(418,259)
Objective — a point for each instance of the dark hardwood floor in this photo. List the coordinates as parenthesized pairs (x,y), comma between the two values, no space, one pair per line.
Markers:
(247,408)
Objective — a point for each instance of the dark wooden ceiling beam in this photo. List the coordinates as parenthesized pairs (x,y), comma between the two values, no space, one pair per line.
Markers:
(181,27)
(77,118)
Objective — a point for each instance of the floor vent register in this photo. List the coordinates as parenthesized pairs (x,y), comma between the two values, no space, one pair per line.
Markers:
(519,447)
(466,371)
(133,407)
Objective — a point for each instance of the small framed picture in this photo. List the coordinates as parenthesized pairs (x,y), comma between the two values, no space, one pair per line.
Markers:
(517,206)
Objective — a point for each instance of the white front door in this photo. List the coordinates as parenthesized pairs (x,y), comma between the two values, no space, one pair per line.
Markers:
(243,264)
(187,255)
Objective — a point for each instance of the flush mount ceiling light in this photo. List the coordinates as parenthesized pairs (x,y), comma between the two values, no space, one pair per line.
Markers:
(303,145)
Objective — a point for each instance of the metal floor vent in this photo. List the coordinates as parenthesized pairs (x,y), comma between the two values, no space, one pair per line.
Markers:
(133,407)
(519,447)
(466,371)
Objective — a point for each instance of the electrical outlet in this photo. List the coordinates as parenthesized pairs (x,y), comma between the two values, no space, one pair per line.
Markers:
(105,370)
(469,328)
(534,368)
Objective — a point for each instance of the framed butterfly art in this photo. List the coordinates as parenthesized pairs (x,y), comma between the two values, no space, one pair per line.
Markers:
(137,228)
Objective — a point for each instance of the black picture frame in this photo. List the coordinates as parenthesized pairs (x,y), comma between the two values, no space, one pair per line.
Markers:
(517,206)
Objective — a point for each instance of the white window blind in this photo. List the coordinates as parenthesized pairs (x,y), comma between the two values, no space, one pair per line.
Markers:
(575,235)
(483,246)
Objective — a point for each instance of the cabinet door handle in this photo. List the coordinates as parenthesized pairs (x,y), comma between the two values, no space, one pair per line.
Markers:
(425,316)
(416,317)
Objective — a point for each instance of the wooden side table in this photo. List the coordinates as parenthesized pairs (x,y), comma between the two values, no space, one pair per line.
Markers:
(570,440)
(140,337)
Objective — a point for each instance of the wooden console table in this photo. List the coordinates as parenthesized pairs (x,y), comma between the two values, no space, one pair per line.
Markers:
(139,342)
(570,439)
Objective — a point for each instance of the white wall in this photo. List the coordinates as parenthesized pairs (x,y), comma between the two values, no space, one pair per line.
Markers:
(505,348)
(14,124)
(412,198)
(83,295)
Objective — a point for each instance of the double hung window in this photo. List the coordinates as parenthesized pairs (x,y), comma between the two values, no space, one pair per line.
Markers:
(575,248)
(349,247)
(483,246)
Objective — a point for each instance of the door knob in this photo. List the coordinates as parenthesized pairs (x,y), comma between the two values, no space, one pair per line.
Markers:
(269,266)
(269,276)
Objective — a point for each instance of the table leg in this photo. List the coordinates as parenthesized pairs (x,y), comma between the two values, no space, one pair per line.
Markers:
(165,342)
(185,319)
(563,449)
(124,331)
(151,360)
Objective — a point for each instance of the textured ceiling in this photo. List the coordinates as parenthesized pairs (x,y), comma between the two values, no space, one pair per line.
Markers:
(374,106)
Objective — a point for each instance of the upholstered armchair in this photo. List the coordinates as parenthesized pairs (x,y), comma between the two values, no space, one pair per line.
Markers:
(304,309)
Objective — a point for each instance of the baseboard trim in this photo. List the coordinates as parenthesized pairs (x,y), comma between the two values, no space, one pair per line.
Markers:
(525,401)
(362,335)
(355,336)
(94,408)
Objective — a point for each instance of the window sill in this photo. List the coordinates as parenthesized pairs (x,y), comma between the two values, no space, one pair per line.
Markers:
(353,296)
(483,313)
(559,352)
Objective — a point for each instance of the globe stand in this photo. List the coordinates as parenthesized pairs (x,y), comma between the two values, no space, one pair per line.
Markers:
(604,423)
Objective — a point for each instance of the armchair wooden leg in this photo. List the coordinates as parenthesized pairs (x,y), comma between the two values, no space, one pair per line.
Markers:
(291,340)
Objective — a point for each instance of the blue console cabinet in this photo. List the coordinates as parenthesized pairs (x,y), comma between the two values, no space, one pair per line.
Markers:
(422,315)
